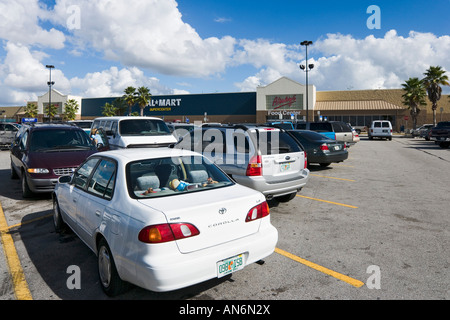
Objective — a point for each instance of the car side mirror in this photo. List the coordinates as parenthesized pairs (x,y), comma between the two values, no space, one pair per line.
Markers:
(65,179)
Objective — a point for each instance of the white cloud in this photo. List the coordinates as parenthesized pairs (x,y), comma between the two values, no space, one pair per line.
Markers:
(23,75)
(343,62)
(147,34)
(19,22)
(112,82)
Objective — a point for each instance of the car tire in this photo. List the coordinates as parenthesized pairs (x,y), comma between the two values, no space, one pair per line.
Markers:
(58,222)
(110,281)
(26,191)
(287,197)
(444,145)
(323,165)
(14,174)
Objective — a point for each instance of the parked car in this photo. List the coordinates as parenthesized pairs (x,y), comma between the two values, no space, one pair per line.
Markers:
(7,133)
(286,125)
(441,134)
(319,148)
(135,132)
(421,131)
(83,124)
(162,219)
(263,158)
(322,127)
(43,152)
(380,129)
(180,129)
(335,130)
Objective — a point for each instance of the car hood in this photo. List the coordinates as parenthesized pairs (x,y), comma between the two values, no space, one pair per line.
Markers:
(218,214)
(58,159)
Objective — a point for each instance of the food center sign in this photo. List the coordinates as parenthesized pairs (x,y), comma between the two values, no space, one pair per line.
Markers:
(284,104)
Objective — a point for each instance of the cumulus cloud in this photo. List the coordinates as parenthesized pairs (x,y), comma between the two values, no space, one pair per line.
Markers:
(19,22)
(343,62)
(147,34)
(23,75)
(112,82)
(150,37)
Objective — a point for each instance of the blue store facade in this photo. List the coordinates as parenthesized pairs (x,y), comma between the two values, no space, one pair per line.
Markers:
(215,107)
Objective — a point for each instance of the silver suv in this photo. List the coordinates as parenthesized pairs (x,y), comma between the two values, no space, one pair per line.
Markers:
(266,159)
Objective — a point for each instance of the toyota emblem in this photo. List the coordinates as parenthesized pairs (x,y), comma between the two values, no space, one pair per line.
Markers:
(222,210)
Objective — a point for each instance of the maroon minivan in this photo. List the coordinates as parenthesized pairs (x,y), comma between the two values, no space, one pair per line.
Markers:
(42,152)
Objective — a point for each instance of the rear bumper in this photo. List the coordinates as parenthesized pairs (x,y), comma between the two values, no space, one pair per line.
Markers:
(170,272)
(274,188)
(328,158)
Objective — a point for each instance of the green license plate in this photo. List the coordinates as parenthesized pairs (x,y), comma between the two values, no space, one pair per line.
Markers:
(285,166)
(230,265)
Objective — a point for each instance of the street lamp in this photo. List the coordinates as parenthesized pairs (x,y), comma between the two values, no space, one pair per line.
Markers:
(306,68)
(50,83)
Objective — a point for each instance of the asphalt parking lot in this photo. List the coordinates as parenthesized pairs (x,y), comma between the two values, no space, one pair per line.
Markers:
(373,227)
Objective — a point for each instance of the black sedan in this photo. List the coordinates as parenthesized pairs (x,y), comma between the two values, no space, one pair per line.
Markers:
(319,148)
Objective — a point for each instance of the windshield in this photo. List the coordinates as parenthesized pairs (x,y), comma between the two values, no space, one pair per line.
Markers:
(146,127)
(169,176)
(59,139)
(309,135)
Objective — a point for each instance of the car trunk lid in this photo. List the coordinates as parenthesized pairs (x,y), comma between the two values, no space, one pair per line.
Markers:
(217,219)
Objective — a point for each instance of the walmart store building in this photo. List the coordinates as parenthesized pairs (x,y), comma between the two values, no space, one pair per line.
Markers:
(282,99)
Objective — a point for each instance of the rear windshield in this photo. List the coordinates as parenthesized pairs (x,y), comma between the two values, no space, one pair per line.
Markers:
(143,127)
(150,178)
(320,126)
(309,135)
(277,142)
(59,139)
(443,124)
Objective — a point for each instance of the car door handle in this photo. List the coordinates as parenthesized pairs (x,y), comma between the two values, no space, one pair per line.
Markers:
(98,213)
(74,199)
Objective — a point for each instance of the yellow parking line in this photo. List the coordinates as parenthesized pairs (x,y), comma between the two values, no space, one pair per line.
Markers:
(317,175)
(21,289)
(337,203)
(337,275)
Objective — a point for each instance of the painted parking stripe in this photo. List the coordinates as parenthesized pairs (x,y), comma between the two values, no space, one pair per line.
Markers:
(321,200)
(317,175)
(21,289)
(354,282)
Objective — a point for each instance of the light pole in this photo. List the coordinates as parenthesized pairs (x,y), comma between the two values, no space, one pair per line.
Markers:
(50,83)
(306,68)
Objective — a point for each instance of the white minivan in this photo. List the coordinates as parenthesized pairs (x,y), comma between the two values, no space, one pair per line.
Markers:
(380,129)
(135,132)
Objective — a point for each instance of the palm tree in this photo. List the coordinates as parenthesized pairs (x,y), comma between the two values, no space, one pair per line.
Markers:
(143,98)
(414,97)
(130,97)
(31,110)
(70,109)
(434,78)
(109,110)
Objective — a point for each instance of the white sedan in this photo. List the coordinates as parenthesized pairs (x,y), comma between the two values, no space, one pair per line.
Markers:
(162,219)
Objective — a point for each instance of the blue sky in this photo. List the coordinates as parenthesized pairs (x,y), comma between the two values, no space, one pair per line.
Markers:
(194,46)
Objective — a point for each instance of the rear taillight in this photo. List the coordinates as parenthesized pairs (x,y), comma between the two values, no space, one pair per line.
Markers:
(258,212)
(306,161)
(160,233)
(254,167)
(324,147)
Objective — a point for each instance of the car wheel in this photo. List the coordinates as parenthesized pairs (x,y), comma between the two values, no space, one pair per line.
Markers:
(110,281)
(444,145)
(57,219)
(14,174)
(286,198)
(26,191)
